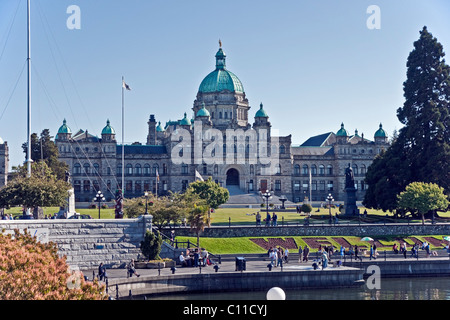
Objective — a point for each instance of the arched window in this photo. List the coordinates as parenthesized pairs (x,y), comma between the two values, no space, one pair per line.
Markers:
(362,170)
(282,149)
(216,169)
(137,170)
(355,169)
(330,169)
(96,168)
(278,169)
(77,168)
(296,170)
(129,169)
(313,169)
(87,168)
(155,169)
(321,170)
(305,169)
(146,169)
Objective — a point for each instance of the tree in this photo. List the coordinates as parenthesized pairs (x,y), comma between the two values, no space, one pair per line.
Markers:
(421,151)
(198,219)
(41,189)
(423,198)
(44,149)
(31,270)
(212,192)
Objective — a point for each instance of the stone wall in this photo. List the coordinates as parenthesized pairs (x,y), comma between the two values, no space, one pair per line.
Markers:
(86,243)
(320,230)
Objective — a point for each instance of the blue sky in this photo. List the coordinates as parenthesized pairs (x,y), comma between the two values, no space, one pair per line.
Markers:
(313,64)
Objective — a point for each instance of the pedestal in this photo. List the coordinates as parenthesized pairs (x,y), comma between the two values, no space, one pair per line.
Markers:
(350,202)
(69,210)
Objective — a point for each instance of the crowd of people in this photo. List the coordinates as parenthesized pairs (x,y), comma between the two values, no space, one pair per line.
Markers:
(195,258)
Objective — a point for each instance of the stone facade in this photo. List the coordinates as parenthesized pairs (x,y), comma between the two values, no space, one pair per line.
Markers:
(86,243)
(219,141)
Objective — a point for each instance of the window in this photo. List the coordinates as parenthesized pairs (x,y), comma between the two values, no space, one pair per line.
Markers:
(296,185)
(216,169)
(305,169)
(146,185)
(282,149)
(77,168)
(355,169)
(205,169)
(321,170)
(164,169)
(146,170)
(108,170)
(362,170)
(137,170)
(252,169)
(226,115)
(321,185)
(296,170)
(138,187)
(184,185)
(155,169)
(362,185)
(330,170)
(77,185)
(87,168)
(86,186)
(278,169)
(330,185)
(119,169)
(96,168)
(129,186)
(250,185)
(314,185)
(184,169)
(129,169)
(313,170)
(220,115)
(277,185)
(95,186)
(305,185)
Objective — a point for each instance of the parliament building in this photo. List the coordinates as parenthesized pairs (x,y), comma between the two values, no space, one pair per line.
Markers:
(223,140)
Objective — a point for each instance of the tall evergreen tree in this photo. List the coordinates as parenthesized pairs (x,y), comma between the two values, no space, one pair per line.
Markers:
(421,151)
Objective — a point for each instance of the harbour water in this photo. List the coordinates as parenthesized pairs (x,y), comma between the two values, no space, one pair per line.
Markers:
(429,288)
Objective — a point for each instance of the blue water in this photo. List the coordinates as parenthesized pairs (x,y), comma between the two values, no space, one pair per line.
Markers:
(390,289)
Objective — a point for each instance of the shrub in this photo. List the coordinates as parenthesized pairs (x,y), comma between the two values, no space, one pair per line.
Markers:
(306,207)
(31,270)
(151,245)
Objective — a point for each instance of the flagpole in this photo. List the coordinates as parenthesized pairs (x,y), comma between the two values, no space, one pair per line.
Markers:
(29,90)
(123,135)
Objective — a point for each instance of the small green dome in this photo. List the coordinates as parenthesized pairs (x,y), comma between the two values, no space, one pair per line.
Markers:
(185,121)
(342,132)
(203,112)
(221,79)
(380,132)
(159,128)
(261,113)
(108,129)
(64,128)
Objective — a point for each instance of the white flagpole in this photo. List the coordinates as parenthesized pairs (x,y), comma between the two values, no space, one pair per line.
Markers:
(310,186)
(29,91)
(123,136)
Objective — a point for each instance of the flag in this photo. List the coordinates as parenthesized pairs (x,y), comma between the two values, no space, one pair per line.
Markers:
(198,175)
(157,176)
(125,86)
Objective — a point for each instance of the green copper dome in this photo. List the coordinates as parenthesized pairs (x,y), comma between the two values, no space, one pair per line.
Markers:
(159,128)
(342,132)
(185,121)
(221,79)
(108,129)
(203,112)
(261,113)
(380,132)
(64,128)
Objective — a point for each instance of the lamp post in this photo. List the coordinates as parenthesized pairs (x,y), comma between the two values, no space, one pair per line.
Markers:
(99,197)
(267,195)
(329,199)
(146,202)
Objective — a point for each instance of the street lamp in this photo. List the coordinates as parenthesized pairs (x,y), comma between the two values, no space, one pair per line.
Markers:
(99,197)
(146,202)
(329,199)
(267,195)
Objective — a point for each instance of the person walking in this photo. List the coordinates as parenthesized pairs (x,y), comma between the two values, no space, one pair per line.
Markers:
(268,220)
(403,249)
(102,272)
(280,257)
(300,252)
(258,219)
(132,269)
(286,255)
(372,253)
(274,219)
(356,252)
(305,253)
(342,252)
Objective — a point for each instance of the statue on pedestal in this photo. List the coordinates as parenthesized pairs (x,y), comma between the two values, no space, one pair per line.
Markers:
(349,177)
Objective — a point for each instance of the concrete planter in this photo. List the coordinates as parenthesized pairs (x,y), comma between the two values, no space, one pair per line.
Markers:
(170,264)
(155,265)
